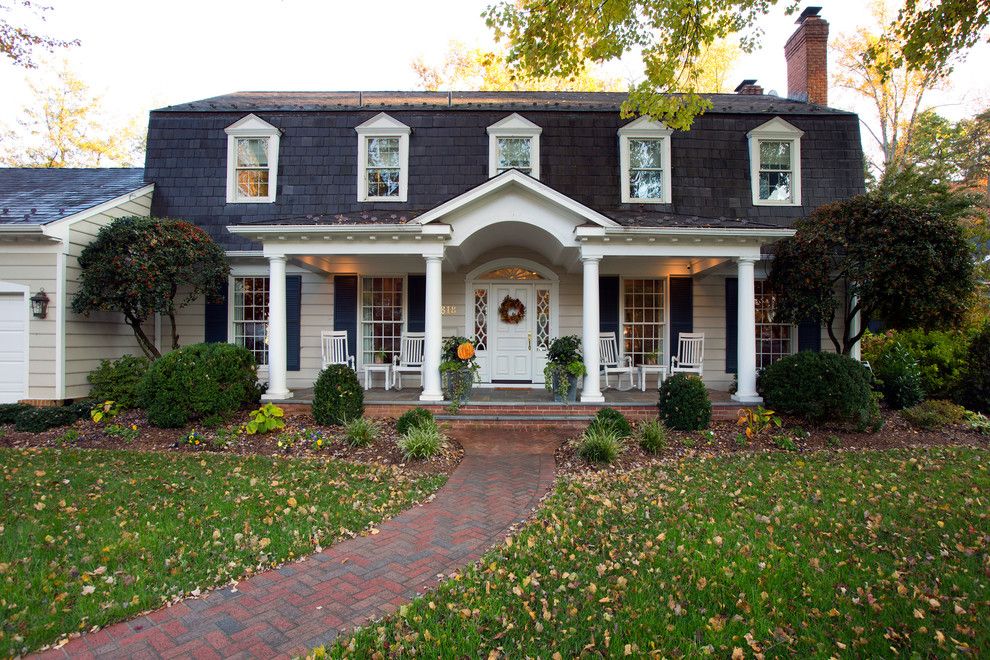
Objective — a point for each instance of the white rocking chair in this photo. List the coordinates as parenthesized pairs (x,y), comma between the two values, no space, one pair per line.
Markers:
(333,347)
(690,356)
(410,357)
(608,353)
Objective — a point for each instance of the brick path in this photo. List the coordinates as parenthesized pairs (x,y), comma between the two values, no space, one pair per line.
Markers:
(287,611)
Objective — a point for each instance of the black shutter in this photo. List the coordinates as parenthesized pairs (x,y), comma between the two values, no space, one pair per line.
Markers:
(681,309)
(608,305)
(810,336)
(345,308)
(293,320)
(731,324)
(215,317)
(416,321)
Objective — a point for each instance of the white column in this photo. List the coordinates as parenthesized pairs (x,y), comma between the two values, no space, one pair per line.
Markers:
(746,333)
(434,332)
(856,352)
(277,358)
(592,389)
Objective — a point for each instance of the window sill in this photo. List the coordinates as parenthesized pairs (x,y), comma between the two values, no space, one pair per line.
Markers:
(768,202)
(265,200)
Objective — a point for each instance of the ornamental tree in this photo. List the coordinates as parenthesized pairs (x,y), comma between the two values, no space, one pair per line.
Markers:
(143,266)
(901,264)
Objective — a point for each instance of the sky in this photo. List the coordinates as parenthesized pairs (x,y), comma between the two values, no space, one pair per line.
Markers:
(141,54)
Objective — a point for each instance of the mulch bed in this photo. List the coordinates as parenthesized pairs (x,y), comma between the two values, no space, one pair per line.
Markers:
(382,451)
(895,434)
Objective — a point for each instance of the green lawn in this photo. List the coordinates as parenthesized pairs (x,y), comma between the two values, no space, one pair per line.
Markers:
(90,537)
(847,554)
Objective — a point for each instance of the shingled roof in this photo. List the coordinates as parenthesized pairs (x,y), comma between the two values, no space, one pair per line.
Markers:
(37,196)
(507,101)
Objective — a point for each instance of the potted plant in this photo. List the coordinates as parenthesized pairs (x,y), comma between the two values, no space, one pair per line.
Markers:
(380,357)
(651,358)
(458,369)
(565,367)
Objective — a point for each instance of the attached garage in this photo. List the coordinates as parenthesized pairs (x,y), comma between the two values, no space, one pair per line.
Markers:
(13,342)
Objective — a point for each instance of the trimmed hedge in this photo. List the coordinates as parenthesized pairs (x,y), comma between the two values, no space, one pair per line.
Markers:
(119,380)
(9,412)
(684,404)
(337,396)
(37,420)
(197,381)
(820,387)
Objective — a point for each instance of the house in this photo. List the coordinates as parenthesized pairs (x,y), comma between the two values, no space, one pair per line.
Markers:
(384,213)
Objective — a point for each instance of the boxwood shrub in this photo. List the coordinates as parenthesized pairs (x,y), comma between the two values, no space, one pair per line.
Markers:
(684,404)
(36,420)
(197,381)
(337,395)
(414,418)
(612,420)
(820,387)
(9,412)
(119,380)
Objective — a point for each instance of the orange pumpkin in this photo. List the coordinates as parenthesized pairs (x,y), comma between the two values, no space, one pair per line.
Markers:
(465,351)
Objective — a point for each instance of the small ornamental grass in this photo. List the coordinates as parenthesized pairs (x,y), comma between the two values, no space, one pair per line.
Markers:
(599,444)
(421,442)
(652,436)
(360,432)
(413,418)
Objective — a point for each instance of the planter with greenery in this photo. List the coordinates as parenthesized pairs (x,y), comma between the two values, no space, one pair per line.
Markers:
(458,369)
(565,367)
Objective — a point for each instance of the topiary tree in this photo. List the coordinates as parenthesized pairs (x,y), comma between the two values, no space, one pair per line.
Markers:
(143,266)
(975,382)
(337,395)
(684,403)
(892,262)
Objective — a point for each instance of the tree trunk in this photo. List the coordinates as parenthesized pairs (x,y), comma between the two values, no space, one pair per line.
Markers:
(175,332)
(147,346)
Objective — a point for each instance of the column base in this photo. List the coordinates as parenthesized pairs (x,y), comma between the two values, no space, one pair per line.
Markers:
(593,398)
(277,396)
(747,398)
(431,398)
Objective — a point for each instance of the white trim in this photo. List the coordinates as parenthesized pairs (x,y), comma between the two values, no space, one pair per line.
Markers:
(776,130)
(506,262)
(382,125)
(359,335)
(514,126)
(56,228)
(60,314)
(645,128)
(251,126)
(25,291)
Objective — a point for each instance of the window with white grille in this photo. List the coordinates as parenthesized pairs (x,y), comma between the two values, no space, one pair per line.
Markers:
(642,319)
(250,303)
(381,317)
(773,339)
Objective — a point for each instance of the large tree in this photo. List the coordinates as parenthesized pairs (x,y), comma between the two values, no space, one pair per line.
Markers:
(18,40)
(897,263)
(932,33)
(145,266)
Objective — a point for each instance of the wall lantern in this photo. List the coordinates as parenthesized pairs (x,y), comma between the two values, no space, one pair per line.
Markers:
(39,304)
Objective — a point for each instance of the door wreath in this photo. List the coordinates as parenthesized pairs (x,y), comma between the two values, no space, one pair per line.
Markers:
(511,311)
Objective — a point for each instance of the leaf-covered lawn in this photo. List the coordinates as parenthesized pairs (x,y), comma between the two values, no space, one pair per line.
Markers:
(849,554)
(90,537)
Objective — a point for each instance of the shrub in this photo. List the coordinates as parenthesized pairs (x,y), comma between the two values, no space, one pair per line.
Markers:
(337,395)
(941,356)
(611,419)
(934,414)
(652,436)
(784,442)
(9,412)
(119,380)
(36,420)
(360,431)
(421,442)
(197,381)
(819,387)
(975,383)
(599,444)
(412,419)
(684,404)
(898,376)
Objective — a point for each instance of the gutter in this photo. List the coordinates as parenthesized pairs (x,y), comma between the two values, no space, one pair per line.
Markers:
(361,230)
(722,232)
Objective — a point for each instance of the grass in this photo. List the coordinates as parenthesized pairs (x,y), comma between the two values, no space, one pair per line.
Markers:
(852,554)
(91,537)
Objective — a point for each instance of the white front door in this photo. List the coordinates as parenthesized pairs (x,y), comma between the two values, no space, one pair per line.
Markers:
(13,347)
(512,343)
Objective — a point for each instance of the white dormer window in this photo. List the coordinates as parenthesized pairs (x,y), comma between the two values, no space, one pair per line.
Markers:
(644,161)
(775,163)
(514,144)
(383,160)
(252,161)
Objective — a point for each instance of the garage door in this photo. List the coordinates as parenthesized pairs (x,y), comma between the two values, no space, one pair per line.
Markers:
(13,348)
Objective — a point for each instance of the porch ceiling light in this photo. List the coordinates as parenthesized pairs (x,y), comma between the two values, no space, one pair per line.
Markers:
(39,304)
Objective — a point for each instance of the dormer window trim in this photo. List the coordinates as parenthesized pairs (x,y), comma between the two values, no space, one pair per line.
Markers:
(513,127)
(644,129)
(247,131)
(388,131)
(775,131)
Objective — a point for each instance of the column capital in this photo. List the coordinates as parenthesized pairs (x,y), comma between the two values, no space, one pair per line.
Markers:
(747,260)
(433,258)
(586,259)
(277,257)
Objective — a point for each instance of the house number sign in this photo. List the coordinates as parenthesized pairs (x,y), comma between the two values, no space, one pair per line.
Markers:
(448,310)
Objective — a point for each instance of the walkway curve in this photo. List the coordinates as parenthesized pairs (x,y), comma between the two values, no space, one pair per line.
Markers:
(287,611)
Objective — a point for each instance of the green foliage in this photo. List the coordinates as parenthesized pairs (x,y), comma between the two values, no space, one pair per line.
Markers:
(978,422)
(819,387)
(757,421)
(833,441)
(104,412)
(784,442)
(907,266)
(612,420)
(599,444)
(71,436)
(337,396)
(126,433)
(975,385)
(421,442)
(565,350)
(684,404)
(360,431)
(198,381)
(564,362)
(652,435)
(265,419)
(119,380)
(37,420)
(934,414)
(414,418)
(9,412)
(940,355)
(933,34)
(136,266)
(898,376)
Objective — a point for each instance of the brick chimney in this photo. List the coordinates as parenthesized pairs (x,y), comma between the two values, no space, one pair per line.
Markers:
(806,53)
(749,86)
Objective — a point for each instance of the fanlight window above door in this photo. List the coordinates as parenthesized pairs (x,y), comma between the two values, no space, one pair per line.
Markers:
(511,273)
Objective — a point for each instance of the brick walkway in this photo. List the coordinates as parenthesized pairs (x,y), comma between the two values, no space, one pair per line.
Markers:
(287,611)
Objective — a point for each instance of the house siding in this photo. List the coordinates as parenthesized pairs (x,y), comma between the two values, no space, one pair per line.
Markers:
(34,266)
